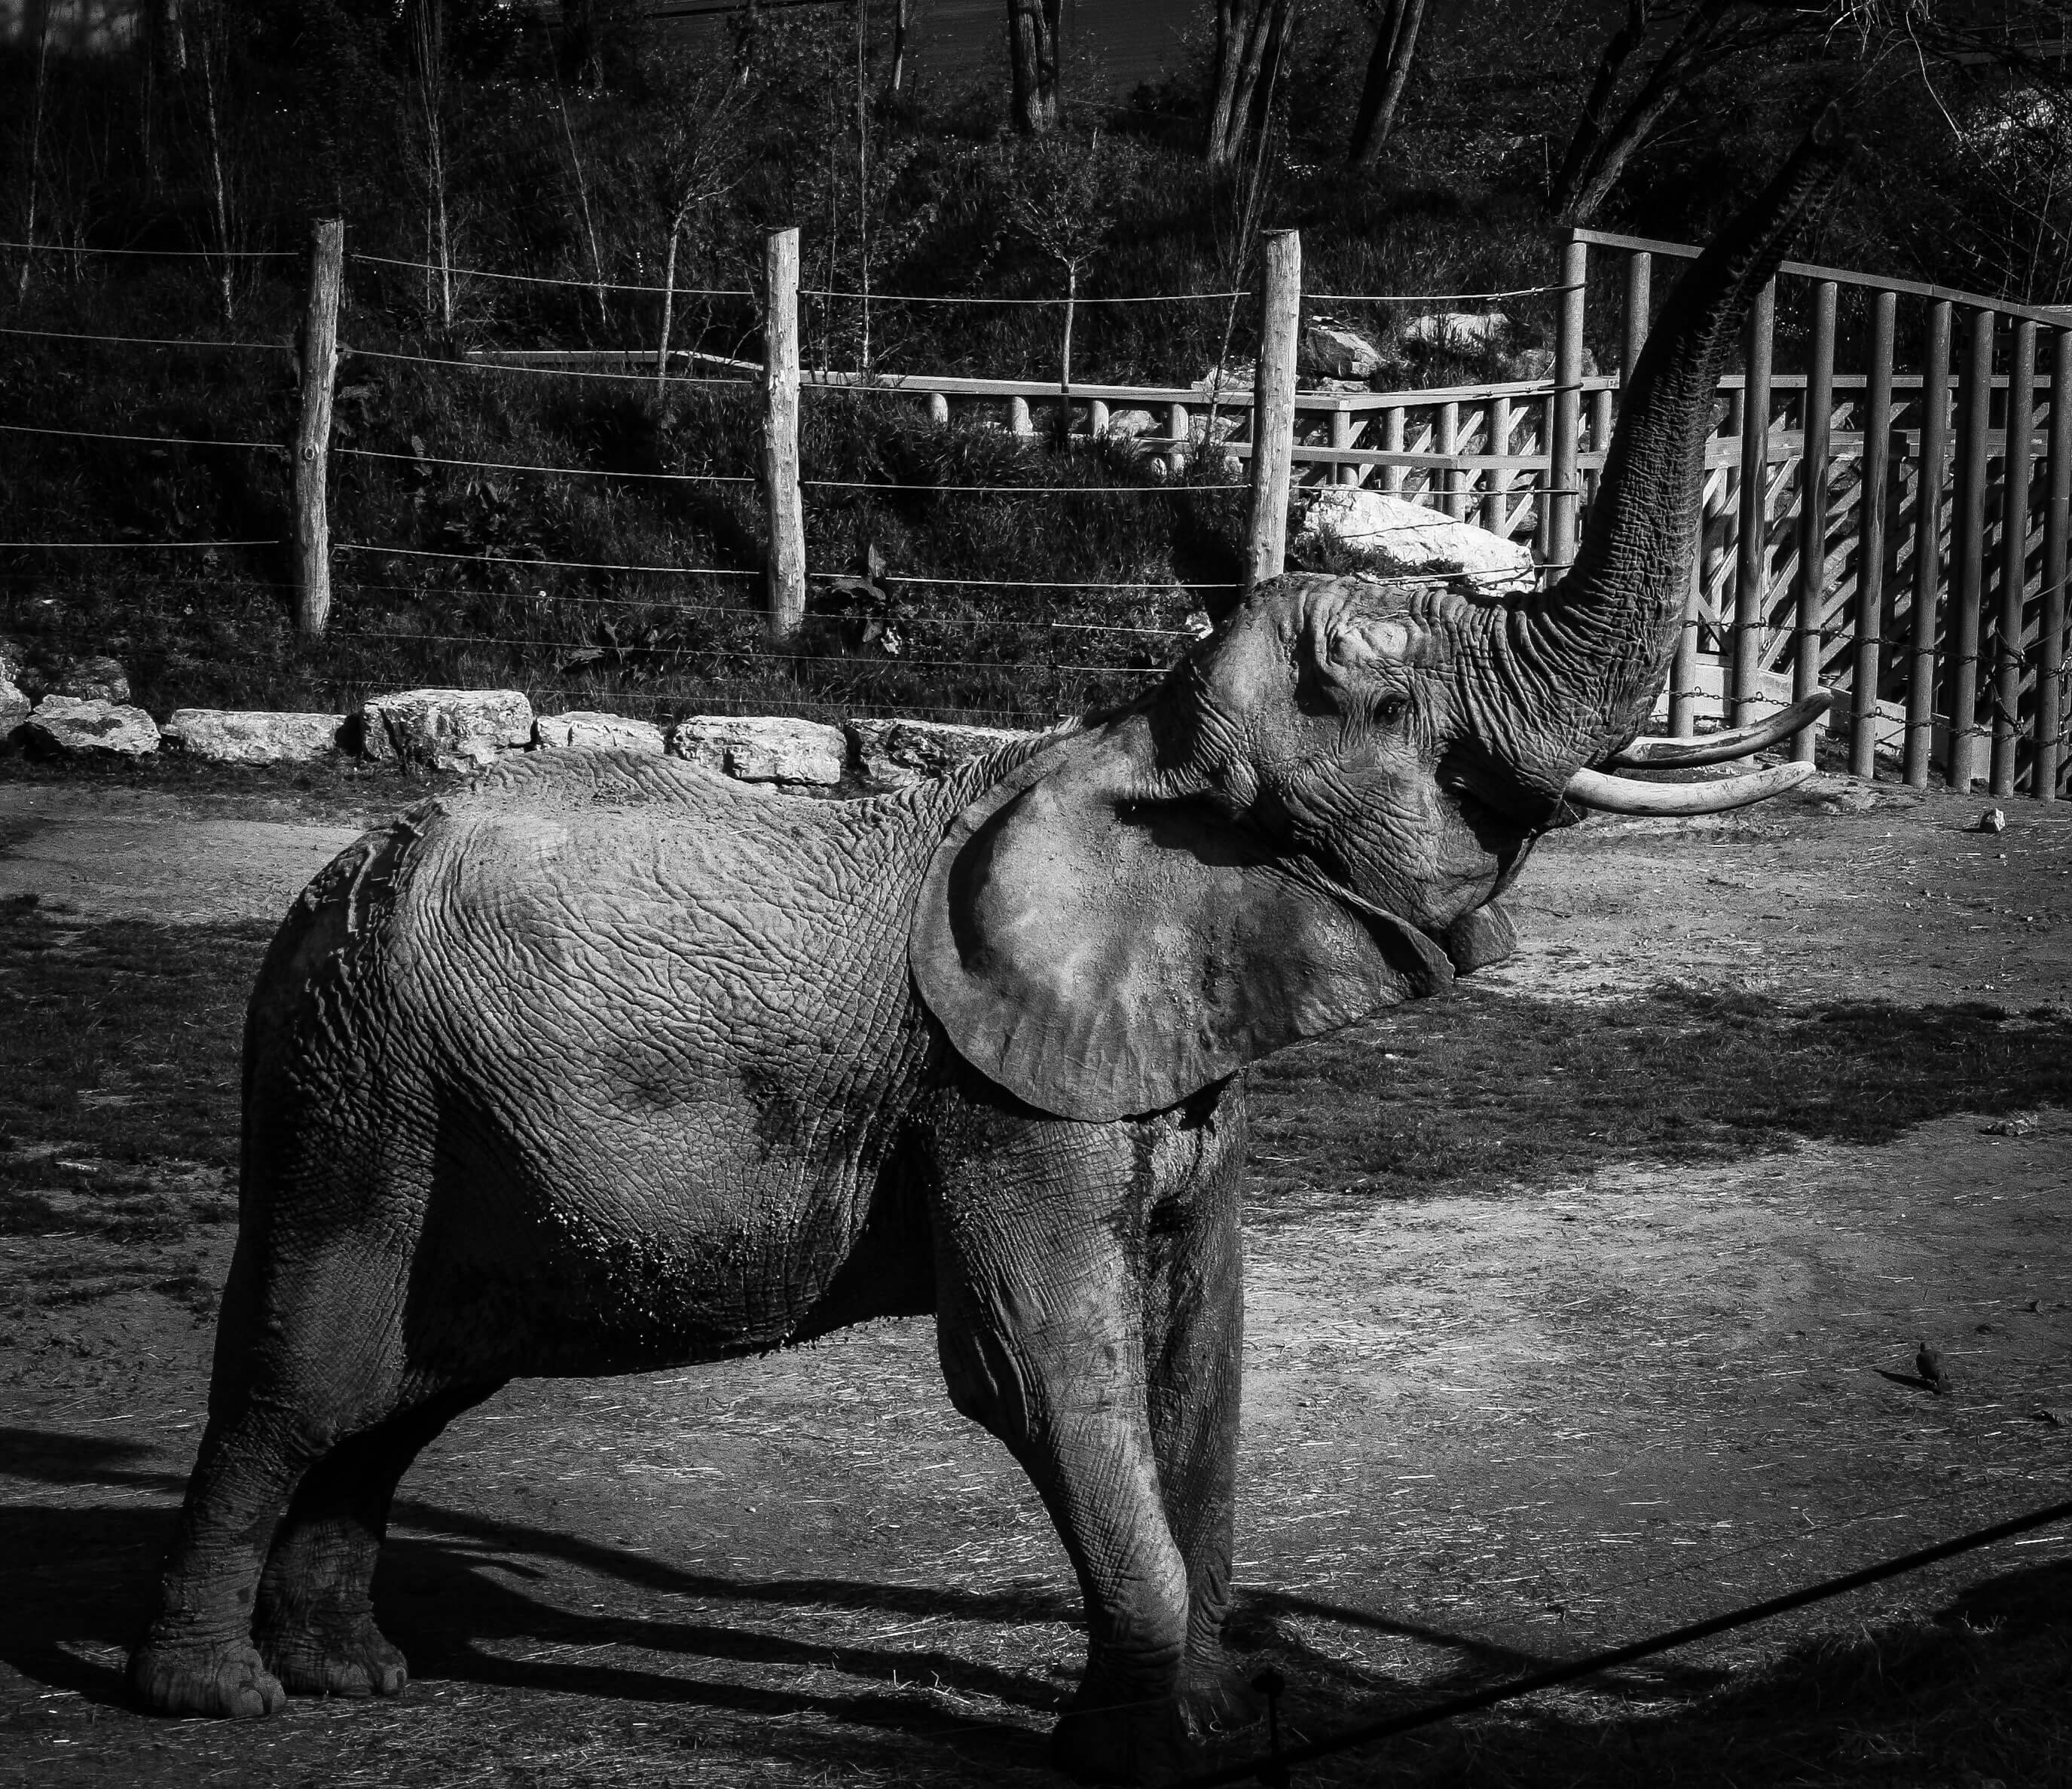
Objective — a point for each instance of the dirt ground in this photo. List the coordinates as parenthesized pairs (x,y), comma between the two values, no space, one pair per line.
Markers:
(1487,1427)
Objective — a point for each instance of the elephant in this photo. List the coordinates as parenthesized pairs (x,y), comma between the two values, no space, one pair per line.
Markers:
(605,1064)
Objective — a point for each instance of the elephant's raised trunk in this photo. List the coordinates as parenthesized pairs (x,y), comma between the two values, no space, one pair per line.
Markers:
(1593,651)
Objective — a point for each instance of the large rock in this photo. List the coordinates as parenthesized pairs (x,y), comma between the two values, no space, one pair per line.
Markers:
(1330,350)
(252,736)
(95,678)
(1400,538)
(13,708)
(1468,333)
(83,727)
(1128,424)
(761,748)
(445,730)
(894,753)
(587,729)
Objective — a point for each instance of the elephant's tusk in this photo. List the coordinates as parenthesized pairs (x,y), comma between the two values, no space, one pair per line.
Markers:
(1716,748)
(1625,795)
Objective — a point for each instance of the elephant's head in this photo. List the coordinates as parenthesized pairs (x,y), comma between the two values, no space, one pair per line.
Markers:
(1309,819)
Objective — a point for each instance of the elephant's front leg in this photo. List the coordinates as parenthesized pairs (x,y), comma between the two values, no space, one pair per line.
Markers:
(1039,1322)
(1194,1314)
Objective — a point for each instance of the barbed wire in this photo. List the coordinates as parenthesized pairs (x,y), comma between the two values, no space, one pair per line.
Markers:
(141,341)
(572,565)
(914,297)
(149,440)
(547,373)
(873,665)
(545,279)
(6,544)
(173,254)
(1431,298)
(568,471)
(1014,490)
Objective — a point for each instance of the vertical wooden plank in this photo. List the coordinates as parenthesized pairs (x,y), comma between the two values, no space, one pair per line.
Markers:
(1813,513)
(309,488)
(2014,557)
(1752,561)
(785,594)
(1876,471)
(1097,420)
(2057,516)
(1341,437)
(1496,506)
(1273,406)
(1639,275)
(1928,545)
(1564,415)
(1446,439)
(1974,396)
(939,409)
(1391,441)
(1600,438)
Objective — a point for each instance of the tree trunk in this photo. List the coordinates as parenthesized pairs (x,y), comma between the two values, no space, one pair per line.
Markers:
(896,74)
(1387,73)
(36,144)
(1249,36)
(1065,352)
(1032,56)
(1601,147)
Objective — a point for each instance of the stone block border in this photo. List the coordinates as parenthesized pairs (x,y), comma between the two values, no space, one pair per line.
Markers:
(469,730)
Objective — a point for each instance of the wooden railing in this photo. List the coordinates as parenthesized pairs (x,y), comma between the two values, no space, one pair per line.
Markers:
(1842,542)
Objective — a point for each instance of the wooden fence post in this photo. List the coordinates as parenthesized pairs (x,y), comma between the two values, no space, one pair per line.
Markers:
(2014,557)
(1273,406)
(312,518)
(1928,546)
(1752,561)
(785,594)
(1877,470)
(1640,278)
(2057,512)
(1813,514)
(1446,439)
(1564,414)
(1967,548)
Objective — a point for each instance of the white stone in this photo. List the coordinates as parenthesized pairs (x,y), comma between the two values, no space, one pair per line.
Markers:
(761,748)
(13,708)
(83,724)
(1465,332)
(1400,538)
(1538,362)
(1238,375)
(445,730)
(252,736)
(1128,424)
(1331,351)
(587,729)
(894,753)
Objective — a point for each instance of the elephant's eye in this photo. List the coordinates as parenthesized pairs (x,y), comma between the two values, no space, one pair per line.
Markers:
(1389,709)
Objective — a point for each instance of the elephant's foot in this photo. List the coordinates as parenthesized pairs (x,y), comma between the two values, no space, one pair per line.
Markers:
(347,1656)
(1141,1742)
(1215,1697)
(228,1680)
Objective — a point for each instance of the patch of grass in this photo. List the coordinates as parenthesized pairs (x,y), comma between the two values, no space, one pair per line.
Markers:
(1491,1090)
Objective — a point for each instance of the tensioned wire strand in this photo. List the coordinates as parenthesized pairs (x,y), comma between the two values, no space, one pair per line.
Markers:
(140,341)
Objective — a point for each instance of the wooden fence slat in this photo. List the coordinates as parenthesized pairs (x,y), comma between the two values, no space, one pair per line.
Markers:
(2014,558)
(1391,443)
(1876,475)
(2057,515)
(1559,501)
(784,594)
(1496,515)
(1639,271)
(1751,566)
(1813,513)
(1928,547)
(1975,397)
(1448,442)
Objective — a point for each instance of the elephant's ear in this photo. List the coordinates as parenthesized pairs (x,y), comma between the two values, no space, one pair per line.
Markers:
(1099,947)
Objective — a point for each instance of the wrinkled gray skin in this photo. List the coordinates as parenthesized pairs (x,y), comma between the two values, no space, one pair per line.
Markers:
(606,1065)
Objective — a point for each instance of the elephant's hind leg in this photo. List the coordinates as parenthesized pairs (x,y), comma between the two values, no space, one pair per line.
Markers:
(314,1621)
(198,1657)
